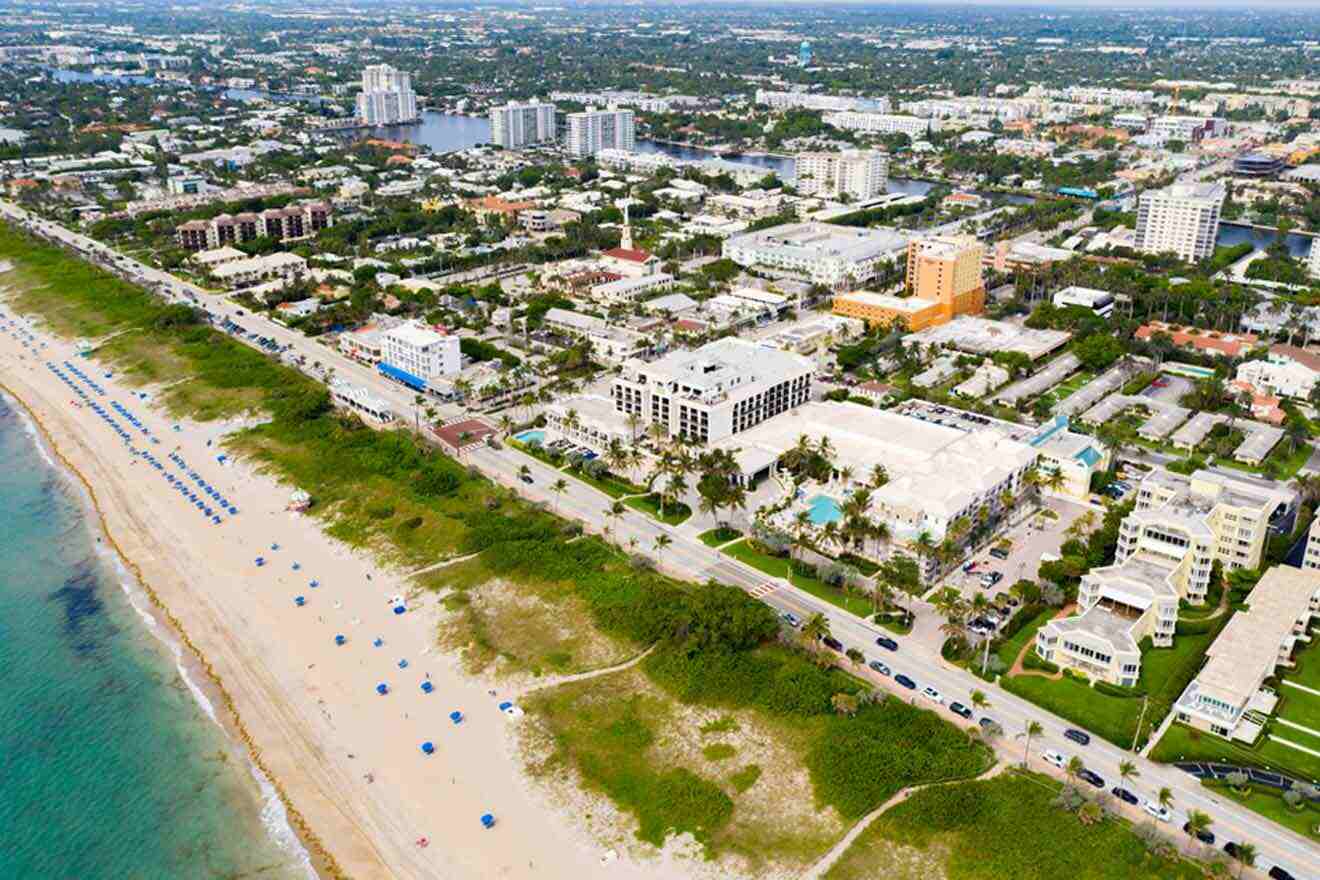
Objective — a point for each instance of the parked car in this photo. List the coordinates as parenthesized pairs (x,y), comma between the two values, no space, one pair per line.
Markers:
(1124,795)
(527,478)
(1159,812)
(887,643)
(960,710)
(1054,758)
(969,567)
(1231,848)
(1278,873)
(987,722)
(1081,737)
(1090,776)
(905,681)
(791,619)
(1205,835)
(833,644)
(933,695)
(880,667)
(998,552)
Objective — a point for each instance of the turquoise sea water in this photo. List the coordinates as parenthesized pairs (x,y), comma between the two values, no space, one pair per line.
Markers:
(109,766)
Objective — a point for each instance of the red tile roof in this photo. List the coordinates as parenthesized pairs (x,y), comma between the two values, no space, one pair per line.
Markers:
(632,256)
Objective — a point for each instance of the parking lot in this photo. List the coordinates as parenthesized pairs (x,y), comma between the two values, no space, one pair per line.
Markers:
(1039,535)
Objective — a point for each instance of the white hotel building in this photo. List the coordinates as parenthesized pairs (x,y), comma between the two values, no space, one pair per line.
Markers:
(1182,219)
(714,392)
(812,101)
(821,252)
(859,174)
(418,353)
(594,130)
(516,125)
(878,123)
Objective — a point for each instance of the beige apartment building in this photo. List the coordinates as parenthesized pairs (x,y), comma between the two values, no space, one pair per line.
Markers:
(1228,697)
(1167,548)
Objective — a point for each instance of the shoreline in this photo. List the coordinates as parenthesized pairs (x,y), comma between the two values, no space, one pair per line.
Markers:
(208,684)
(343,760)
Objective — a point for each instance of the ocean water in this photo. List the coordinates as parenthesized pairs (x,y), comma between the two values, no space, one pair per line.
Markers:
(111,763)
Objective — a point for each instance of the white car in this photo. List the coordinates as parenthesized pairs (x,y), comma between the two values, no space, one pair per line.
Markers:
(1058,759)
(933,695)
(1159,812)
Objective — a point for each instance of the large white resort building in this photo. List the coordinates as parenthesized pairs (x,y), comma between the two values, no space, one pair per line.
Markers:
(713,392)
(825,254)
(1167,546)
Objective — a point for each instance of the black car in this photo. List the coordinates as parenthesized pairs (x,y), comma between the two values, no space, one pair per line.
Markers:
(887,643)
(1204,835)
(1080,737)
(527,478)
(999,553)
(905,681)
(1231,848)
(1278,873)
(960,710)
(833,644)
(1092,777)
(987,722)
(1124,795)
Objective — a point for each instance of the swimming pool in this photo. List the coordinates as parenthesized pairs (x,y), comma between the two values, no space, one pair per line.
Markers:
(823,509)
(537,436)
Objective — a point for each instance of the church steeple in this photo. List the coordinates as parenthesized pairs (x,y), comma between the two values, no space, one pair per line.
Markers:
(626,241)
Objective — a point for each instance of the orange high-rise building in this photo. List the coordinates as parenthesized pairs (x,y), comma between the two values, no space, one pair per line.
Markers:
(943,280)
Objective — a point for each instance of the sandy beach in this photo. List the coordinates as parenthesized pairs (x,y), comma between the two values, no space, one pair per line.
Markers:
(346,760)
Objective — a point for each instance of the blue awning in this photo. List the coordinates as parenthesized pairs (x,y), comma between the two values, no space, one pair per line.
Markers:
(417,384)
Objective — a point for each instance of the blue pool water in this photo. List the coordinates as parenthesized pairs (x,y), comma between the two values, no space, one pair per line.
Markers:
(823,509)
(530,437)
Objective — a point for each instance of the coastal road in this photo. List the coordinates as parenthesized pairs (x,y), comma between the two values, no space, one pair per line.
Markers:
(690,558)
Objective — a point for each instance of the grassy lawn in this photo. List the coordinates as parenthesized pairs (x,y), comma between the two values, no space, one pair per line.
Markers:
(717,536)
(1301,708)
(1009,650)
(1271,805)
(898,625)
(1164,674)
(777,567)
(1067,388)
(1182,743)
(1307,671)
(675,512)
(1004,828)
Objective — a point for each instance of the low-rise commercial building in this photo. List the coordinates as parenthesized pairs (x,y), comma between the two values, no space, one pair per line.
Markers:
(826,254)
(1099,302)
(238,273)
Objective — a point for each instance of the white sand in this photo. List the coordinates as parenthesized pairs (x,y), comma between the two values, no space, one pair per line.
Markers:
(307,708)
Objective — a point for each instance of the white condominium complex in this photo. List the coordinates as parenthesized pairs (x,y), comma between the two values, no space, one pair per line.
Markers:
(1228,697)
(1182,219)
(516,125)
(714,392)
(594,130)
(810,101)
(1167,548)
(878,123)
(1313,259)
(858,174)
(387,97)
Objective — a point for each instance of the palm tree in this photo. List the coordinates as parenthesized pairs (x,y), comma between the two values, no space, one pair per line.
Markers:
(816,628)
(879,476)
(1074,768)
(1198,822)
(524,472)
(1245,855)
(616,510)
(1127,770)
(1165,797)
(979,700)
(661,542)
(1032,729)
(558,487)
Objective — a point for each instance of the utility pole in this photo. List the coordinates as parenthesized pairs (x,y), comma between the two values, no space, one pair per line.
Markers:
(1140,718)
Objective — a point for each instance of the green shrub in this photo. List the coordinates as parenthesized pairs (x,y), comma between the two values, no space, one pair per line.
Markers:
(1032,660)
(745,778)
(718,752)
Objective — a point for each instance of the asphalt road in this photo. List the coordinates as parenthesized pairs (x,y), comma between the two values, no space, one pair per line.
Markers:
(689,558)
